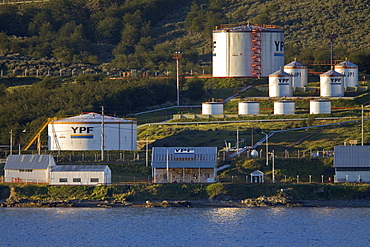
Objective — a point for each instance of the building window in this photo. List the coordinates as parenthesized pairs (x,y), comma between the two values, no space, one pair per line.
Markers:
(77,180)
(63,180)
(25,170)
(94,180)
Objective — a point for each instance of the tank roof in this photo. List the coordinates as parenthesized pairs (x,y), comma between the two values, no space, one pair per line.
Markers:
(248,28)
(331,73)
(93,117)
(295,64)
(346,64)
(280,73)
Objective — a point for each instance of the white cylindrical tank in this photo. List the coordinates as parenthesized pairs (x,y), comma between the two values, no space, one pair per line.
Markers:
(84,132)
(212,108)
(320,106)
(249,108)
(331,84)
(299,72)
(247,51)
(284,107)
(280,84)
(350,72)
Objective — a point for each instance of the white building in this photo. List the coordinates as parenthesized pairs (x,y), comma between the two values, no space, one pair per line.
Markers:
(42,169)
(80,175)
(28,168)
(184,165)
(352,163)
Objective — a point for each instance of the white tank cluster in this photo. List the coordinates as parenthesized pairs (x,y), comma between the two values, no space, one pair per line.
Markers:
(280,84)
(299,73)
(249,108)
(212,108)
(350,72)
(331,84)
(320,106)
(284,107)
(84,132)
(247,51)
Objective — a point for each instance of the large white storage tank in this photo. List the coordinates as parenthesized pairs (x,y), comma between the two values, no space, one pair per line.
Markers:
(247,51)
(249,108)
(350,72)
(284,107)
(320,107)
(299,72)
(331,84)
(84,132)
(212,108)
(280,84)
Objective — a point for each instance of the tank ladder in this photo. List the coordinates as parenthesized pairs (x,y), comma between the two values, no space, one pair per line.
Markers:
(256,53)
(37,136)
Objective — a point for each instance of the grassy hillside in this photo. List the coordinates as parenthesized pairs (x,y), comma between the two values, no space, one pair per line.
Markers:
(144,34)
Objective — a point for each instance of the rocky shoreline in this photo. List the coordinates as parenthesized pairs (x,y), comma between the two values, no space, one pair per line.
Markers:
(261,201)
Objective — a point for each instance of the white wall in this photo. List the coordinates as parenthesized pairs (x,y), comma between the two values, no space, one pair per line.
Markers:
(352,176)
(85,176)
(36,176)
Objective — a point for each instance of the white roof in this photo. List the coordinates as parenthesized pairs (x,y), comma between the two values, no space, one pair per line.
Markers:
(92,117)
(346,64)
(29,161)
(79,168)
(280,73)
(331,73)
(296,64)
(352,156)
(257,173)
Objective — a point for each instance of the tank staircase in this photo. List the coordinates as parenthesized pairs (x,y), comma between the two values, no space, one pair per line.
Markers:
(37,136)
(256,53)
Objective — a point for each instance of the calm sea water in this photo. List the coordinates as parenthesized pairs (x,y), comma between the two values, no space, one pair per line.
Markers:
(185,227)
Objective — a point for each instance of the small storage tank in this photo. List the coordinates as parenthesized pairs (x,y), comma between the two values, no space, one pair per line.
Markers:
(247,50)
(320,106)
(299,72)
(331,84)
(84,132)
(350,72)
(280,84)
(212,108)
(249,108)
(284,107)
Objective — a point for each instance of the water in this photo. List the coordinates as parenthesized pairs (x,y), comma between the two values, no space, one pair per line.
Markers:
(185,227)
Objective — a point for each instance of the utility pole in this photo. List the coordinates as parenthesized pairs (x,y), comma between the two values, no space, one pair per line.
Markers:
(267,148)
(177,56)
(237,141)
(11,142)
(102,133)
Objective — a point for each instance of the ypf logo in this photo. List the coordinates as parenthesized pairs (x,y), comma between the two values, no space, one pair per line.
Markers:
(82,130)
(335,80)
(184,151)
(279,45)
(282,80)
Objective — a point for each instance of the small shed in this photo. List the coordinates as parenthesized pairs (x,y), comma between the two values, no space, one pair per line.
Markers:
(184,165)
(80,175)
(257,177)
(352,163)
(28,168)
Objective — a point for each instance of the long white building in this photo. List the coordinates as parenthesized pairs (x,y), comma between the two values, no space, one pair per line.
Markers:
(42,169)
